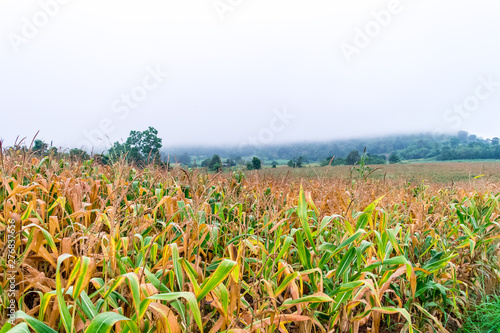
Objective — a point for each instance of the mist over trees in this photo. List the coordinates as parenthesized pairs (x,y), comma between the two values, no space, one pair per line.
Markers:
(142,147)
(390,149)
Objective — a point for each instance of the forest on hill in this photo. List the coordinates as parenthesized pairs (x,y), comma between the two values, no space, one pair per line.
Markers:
(388,149)
(146,146)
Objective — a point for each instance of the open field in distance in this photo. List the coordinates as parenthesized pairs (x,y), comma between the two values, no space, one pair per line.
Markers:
(430,172)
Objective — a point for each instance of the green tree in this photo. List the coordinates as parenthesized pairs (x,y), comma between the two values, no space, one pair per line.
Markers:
(296,162)
(274,164)
(446,154)
(78,154)
(375,159)
(394,158)
(256,164)
(353,157)
(472,138)
(215,164)
(124,150)
(148,142)
(333,161)
(300,161)
(39,147)
(327,161)
(454,142)
(101,158)
(139,147)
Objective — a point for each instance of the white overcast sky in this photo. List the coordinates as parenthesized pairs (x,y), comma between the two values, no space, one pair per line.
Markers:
(227,77)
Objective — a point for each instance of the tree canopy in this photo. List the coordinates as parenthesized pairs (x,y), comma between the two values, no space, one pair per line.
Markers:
(139,147)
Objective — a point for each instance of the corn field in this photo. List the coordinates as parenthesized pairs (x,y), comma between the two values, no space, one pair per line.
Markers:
(123,249)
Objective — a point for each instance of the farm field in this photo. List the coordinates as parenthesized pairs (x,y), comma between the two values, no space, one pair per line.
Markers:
(412,248)
(428,172)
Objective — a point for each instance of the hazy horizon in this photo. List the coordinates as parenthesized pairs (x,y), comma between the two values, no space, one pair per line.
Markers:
(222,73)
(178,147)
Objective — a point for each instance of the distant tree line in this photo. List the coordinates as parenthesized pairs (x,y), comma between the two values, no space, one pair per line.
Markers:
(215,163)
(145,147)
(319,151)
(353,158)
(391,149)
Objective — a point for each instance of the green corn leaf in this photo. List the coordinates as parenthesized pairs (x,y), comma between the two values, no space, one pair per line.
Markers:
(177,266)
(44,303)
(104,322)
(35,324)
(286,245)
(348,259)
(217,277)
(20,328)
(304,220)
(63,309)
(304,254)
(345,243)
(82,276)
(366,217)
(326,221)
(8,327)
(47,235)
(192,275)
(317,298)
(87,306)
(133,281)
(114,284)
(286,281)
(223,295)
(350,286)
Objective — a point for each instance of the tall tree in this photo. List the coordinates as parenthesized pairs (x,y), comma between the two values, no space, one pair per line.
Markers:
(78,154)
(256,164)
(148,142)
(215,164)
(394,158)
(353,157)
(39,147)
(139,147)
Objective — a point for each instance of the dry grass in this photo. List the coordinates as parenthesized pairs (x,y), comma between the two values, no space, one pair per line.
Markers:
(150,250)
(442,173)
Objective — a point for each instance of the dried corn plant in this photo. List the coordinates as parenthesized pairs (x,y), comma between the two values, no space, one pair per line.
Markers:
(115,248)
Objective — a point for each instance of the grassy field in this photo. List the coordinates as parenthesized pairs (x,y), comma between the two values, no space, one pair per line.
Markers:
(122,249)
(416,172)
(434,160)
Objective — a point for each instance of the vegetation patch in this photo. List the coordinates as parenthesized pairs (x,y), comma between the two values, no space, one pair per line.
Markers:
(156,249)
